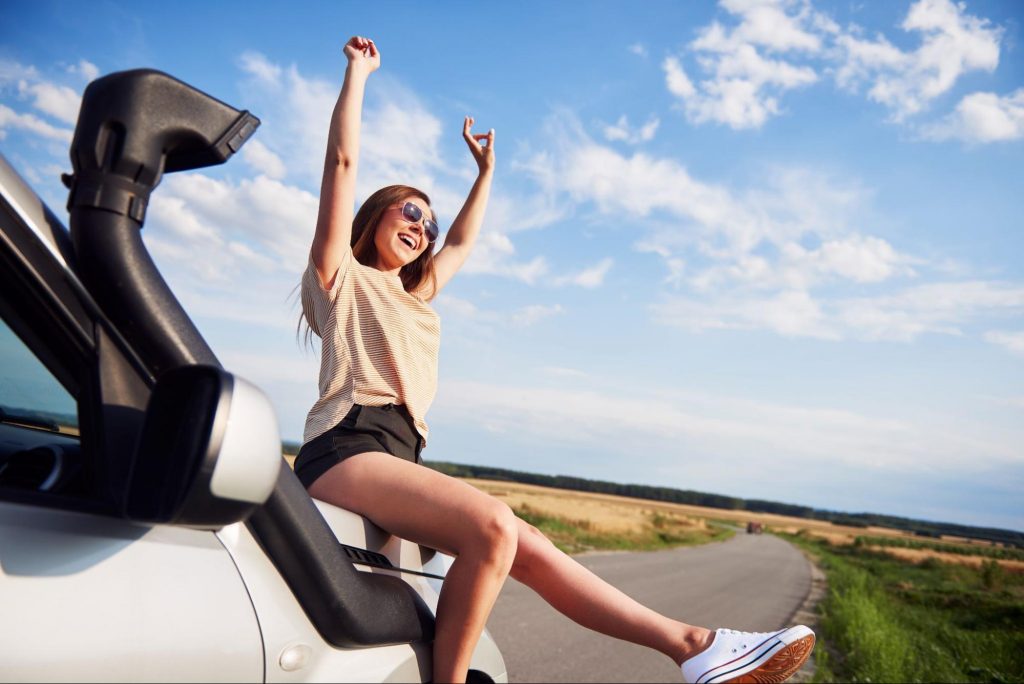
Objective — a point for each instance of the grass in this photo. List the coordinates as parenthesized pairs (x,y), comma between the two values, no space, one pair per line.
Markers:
(661,532)
(887,620)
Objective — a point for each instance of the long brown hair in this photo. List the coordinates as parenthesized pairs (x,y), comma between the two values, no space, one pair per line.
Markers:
(415,275)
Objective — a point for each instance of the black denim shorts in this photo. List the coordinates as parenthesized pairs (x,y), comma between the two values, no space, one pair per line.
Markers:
(387,428)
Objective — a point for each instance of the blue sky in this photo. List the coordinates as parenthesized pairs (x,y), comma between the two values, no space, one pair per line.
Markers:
(765,249)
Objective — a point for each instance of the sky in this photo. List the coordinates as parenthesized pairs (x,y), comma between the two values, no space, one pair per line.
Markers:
(767,249)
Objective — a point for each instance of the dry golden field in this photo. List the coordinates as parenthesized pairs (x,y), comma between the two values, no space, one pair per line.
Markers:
(603,513)
(609,513)
(920,555)
(606,508)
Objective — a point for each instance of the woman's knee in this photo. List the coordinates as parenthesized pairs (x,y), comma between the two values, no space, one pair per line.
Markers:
(495,533)
(531,549)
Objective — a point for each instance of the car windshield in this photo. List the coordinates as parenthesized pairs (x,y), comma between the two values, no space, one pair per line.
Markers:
(29,394)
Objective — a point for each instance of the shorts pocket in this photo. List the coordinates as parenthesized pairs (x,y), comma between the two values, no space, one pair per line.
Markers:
(351,418)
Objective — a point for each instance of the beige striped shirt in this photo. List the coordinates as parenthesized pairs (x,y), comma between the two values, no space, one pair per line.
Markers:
(379,344)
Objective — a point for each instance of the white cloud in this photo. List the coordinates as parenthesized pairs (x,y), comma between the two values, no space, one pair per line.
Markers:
(853,258)
(1011,341)
(233,251)
(589,277)
(220,230)
(296,114)
(863,57)
(509,214)
(534,313)
(33,124)
(638,49)
(775,46)
(936,308)
(622,131)
(52,99)
(401,143)
(86,69)
(15,72)
(940,307)
(678,83)
(58,101)
(860,259)
(792,313)
(776,25)
(258,66)
(463,311)
(493,255)
(639,184)
(743,85)
(982,118)
(796,203)
(262,160)
(675,264)
(456,306)
(952,43)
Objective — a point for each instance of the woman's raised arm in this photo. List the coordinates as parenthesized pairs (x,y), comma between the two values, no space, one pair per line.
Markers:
(338,188)
(463,233)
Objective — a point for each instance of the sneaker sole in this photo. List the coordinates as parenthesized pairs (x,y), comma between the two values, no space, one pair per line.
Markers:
(780,666)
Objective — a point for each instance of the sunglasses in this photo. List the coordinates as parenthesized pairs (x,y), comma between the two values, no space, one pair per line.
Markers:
(413,214)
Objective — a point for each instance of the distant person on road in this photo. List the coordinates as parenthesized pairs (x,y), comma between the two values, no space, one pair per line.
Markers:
(366,293)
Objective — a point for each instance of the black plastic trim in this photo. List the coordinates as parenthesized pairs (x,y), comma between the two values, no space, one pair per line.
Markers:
(372,559)
(350,609)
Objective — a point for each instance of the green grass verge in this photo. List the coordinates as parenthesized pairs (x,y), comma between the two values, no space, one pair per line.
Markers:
(888,620)
(661,532)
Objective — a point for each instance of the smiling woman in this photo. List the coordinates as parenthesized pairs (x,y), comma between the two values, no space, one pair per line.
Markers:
(366,293)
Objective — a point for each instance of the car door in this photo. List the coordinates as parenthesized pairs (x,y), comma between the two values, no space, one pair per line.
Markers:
(86,595)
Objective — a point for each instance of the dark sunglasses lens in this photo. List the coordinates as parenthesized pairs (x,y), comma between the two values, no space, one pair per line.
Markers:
(431,229)
(411,212)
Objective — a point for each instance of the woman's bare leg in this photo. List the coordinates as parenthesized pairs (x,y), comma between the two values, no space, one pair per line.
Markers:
(489,543)
(587,599)
(440,512)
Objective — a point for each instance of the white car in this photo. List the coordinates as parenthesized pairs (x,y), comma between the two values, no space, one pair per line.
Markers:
(149,528)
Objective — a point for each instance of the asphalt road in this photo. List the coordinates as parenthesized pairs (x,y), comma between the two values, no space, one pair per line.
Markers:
(751,582)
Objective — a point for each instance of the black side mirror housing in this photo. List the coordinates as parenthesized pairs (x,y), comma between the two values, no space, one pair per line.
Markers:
(209,453)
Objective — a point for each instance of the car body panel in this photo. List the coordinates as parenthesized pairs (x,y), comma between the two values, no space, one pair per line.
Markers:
(295,652)
(93,598)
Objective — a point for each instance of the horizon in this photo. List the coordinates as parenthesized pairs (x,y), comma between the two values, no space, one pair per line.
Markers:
(727,496)
(762,247)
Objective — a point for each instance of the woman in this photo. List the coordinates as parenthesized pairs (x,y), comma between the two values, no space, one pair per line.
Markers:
(365,292)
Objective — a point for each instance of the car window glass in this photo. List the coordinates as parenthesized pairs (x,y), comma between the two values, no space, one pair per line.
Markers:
(29,394)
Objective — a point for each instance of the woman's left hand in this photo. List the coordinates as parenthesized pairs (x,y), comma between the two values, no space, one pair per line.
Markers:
(481,146)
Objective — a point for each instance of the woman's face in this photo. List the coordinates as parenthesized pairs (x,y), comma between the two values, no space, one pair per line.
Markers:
(398,241)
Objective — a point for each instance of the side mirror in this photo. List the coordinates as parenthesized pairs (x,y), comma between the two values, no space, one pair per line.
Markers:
(209,453)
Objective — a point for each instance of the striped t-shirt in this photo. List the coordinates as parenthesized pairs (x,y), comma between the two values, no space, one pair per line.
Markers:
(379,344)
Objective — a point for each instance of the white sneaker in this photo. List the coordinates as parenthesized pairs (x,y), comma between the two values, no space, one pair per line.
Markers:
(750,656)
